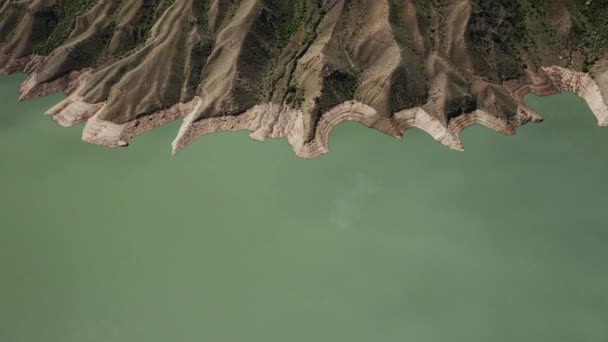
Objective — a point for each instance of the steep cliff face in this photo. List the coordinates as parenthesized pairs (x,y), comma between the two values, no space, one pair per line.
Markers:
(296,68)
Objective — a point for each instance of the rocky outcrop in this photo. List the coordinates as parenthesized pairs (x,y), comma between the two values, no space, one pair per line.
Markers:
(554,79)
(295,69)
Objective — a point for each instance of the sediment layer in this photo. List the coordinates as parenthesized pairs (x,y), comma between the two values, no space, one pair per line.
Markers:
(295,69)
(280,121)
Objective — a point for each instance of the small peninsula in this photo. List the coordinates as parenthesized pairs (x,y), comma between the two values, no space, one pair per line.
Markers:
(296,68)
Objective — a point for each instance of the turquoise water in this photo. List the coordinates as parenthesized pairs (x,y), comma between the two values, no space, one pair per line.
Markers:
(236,240)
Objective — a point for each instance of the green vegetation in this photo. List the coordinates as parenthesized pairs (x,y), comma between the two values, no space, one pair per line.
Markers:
(501,31)
(60,31)
(409,87)
(300,15)
(397,49)
(152,17)
(201,13)
(295,97)
(141,29)
(496,33)
(592,30)
(398,23)
(9,21)
(91,49)
(290,23)
(460,105)
(226,11)
(338,86)
(265,57)
(408,82)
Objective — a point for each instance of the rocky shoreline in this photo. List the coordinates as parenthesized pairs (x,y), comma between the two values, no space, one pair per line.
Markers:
(270,120)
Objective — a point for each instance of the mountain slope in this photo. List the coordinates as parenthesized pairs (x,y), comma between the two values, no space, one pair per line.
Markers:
(297,68)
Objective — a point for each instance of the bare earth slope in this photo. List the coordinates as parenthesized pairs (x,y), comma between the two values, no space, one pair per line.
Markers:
(296,68)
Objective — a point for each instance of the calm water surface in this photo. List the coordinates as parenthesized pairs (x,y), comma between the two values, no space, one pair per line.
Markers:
(234,240)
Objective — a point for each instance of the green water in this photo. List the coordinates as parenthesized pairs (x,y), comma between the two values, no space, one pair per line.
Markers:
(235,240)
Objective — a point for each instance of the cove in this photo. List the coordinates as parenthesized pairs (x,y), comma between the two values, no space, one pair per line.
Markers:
(236,240)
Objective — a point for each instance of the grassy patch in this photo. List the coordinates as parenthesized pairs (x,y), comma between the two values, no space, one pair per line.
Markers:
(295,97)
(151,19)
(496,32)
(292,22)
(594,32)
(69,10)
(9,20)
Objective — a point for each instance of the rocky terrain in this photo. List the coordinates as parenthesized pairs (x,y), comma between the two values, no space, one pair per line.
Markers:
(296,68)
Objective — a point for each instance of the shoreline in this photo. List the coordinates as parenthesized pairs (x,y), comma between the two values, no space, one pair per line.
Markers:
(269,120)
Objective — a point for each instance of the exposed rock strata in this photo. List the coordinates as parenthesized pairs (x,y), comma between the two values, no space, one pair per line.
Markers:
(552,80)
(289,69)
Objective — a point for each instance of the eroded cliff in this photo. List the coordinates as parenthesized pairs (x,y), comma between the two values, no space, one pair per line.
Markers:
(297,68)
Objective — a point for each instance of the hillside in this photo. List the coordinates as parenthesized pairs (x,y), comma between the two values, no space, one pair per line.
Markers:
(296,68)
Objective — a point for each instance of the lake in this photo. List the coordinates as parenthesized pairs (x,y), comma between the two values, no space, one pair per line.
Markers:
(237,240)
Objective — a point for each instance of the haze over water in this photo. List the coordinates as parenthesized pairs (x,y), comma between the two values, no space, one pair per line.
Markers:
(235,240)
